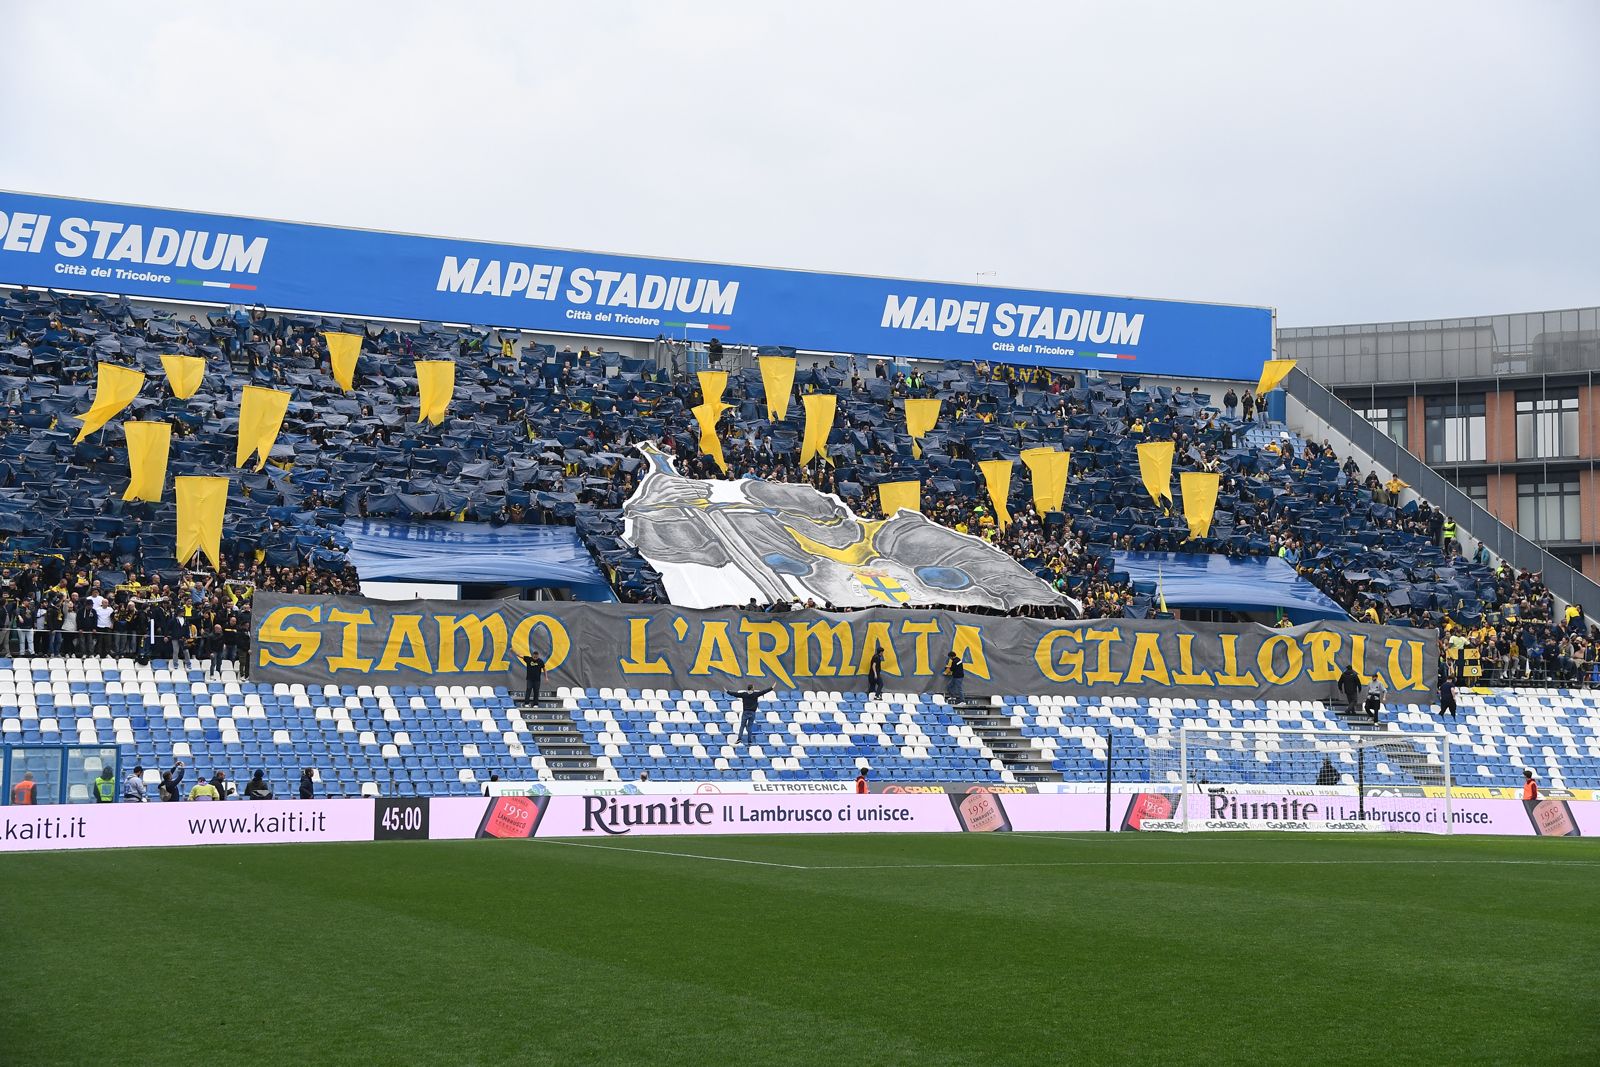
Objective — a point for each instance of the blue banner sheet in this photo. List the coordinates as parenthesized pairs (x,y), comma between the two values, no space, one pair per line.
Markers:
(472,552)
(1195,580)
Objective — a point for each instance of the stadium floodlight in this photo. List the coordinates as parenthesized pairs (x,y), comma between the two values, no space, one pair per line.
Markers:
(1283,779)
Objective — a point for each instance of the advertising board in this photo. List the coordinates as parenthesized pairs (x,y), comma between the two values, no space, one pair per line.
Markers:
(60,243)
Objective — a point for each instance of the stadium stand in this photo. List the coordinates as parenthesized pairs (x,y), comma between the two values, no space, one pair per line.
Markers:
(449,740)
(543,436)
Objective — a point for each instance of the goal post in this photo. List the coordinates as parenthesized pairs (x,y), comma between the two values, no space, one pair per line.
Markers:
(1269,778)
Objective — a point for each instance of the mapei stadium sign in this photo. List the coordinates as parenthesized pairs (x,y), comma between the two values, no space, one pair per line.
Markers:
(354,641)
(57,243)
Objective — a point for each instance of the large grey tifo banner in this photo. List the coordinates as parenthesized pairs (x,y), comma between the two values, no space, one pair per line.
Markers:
(354,641)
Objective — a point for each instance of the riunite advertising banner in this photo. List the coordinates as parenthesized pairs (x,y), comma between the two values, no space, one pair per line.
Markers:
(355,641)
(53,242)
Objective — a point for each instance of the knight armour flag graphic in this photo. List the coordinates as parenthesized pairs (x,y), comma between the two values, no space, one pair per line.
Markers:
(721,543)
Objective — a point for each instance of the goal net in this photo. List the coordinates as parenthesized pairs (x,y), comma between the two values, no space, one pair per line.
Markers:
(1314,780)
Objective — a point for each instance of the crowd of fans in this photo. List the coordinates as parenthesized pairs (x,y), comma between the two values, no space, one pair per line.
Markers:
(51,605)
(538,435)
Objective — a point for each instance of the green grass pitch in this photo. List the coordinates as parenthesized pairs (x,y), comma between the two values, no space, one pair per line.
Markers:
(914,949)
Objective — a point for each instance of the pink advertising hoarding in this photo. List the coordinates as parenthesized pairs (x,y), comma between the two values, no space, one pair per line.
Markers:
(55,827)
(71,826)
(647,816)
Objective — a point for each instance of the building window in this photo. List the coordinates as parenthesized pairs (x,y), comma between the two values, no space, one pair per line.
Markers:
(1389,418)
(1547,507)
(1476,486)
(1455,429)
(1547,424)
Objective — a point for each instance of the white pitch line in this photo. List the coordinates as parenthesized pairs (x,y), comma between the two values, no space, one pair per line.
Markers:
(683,855)
(1210,863)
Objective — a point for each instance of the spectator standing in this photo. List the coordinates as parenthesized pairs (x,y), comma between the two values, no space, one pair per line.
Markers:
(220,783)
(1327,774)
(168,789)
(1230,402)
(46,628)
(62,622)
(534,663)
(177,773)
(1530,786)
(177,636)
(216,643)
(25,792)
(875,673)
(1350,687)
(1249,406)
(1447,694)
(25,621)
(103,626)
(955,672)
(257,788)
(1377,690)
(749,699)
(133,790)
(308,785)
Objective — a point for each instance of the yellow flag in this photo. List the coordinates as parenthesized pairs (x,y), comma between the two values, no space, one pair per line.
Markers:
(148,446)
(777,379)
(712,385)
(820,408)
(1047,468)
(707,415)
(114,389)
(202,502)
(1155,467)
(436,381)
(260,419)
(997,476)
(1199,500)
(921,415)
(1273,372)
(892,496)
(343,351)
(184,374)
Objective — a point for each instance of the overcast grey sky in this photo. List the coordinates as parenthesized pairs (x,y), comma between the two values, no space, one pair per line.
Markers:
(1353,162)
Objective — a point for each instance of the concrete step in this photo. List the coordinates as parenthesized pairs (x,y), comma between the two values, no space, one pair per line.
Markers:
(573,750)
(533,715)
(570,763)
